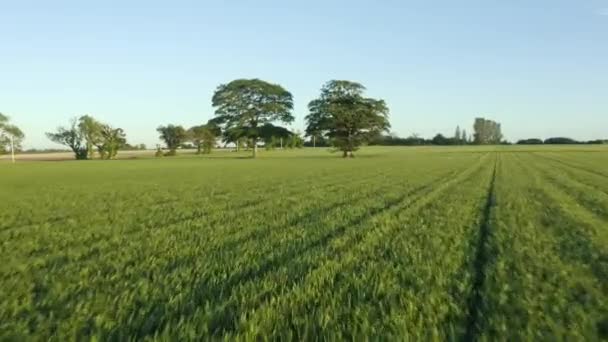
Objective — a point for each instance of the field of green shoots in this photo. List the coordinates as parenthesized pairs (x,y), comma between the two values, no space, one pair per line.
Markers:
(497,243)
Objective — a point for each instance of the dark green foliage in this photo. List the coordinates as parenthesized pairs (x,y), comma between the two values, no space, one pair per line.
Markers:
(244,106)
(85,133)
(173,136)
(560,141)
(111,140)
(344,116)
(531,141)
(90,130)
(71,137)
(439,139)
(204,137)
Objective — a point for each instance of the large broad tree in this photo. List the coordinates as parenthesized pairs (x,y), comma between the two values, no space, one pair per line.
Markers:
(243,106)
(345,116)
(173,136)
(10,135)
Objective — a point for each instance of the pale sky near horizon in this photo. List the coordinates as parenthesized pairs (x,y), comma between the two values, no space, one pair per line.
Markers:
(538,67)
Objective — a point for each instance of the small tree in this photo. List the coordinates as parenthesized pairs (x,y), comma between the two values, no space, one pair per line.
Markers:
(204,137)
(90,129)
(10,136)
(173,136)
(345,116)
(243,106)
(295,141)
(457,136)
(111,140)
(72,137)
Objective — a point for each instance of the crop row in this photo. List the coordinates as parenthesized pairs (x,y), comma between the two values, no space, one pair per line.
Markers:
(546,275)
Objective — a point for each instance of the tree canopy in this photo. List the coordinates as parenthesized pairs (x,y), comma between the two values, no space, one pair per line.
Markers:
(560,141)
(91,132)
(72,137)
(244,106)
(111,140)
(8,133)
(173,136)
(487,132)
(204,136)
(531,141)
(345,116)
(86,133)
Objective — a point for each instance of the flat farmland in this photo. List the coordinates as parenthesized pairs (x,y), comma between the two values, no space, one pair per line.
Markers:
(463,243)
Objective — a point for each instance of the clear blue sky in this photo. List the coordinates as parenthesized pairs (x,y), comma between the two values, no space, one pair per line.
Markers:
(539,67)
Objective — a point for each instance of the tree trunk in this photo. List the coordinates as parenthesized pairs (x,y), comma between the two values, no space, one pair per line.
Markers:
(13,149)
(344,154)
(255,148)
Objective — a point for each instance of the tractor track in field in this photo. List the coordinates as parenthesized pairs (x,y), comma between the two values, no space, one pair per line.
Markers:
(574,231)
(572,166)
(475,321)
(594,207)
(223,318)
(420,197)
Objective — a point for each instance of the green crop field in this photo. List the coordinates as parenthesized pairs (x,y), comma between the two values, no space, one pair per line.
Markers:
(463,243)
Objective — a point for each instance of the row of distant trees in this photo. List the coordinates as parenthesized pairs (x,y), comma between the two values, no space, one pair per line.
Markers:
(485,132)
(247,112)
(560,141)
(86,135)
(205,137)
(441,140)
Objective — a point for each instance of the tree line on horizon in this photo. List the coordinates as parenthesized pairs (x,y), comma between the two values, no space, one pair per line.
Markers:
(249,112)
(246,113)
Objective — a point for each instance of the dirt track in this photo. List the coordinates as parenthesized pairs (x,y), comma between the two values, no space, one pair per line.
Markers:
(59,156)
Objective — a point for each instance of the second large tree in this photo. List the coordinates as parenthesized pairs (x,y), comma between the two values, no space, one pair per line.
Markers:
(246,105)
(345,116)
